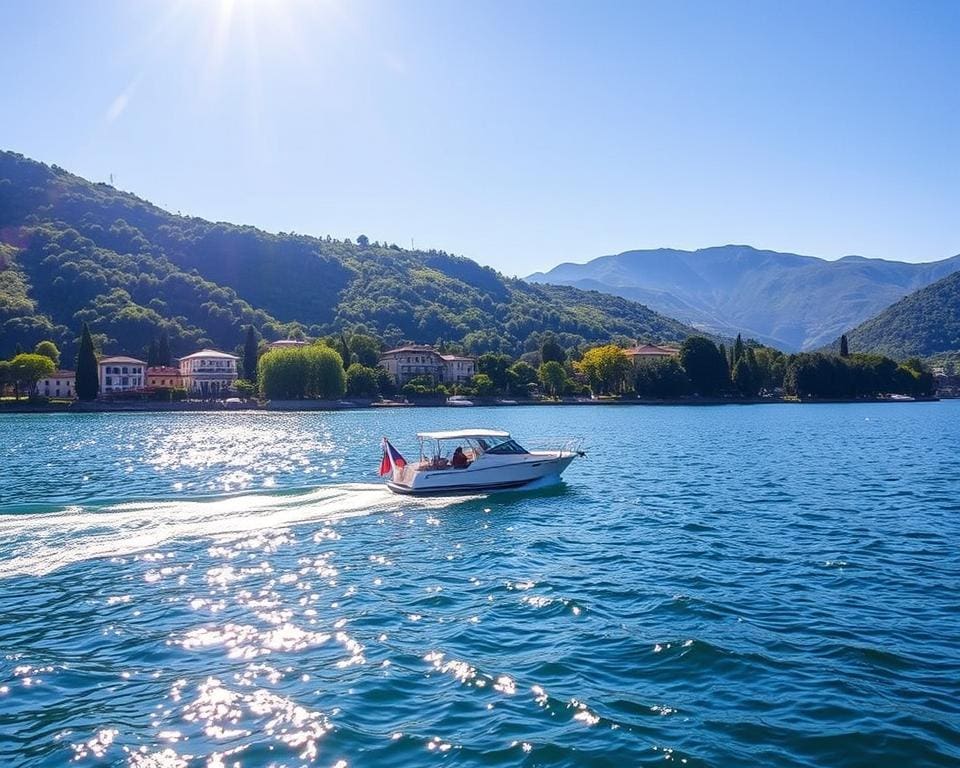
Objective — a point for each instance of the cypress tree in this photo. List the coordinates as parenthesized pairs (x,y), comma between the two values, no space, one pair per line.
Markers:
(723,354)
(344,350)
(18,350)
(844,349)
(737,351)
(163,351)
(88,382)
(153,354)
(250,355)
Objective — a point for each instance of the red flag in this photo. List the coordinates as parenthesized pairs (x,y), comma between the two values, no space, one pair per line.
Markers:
(391,459)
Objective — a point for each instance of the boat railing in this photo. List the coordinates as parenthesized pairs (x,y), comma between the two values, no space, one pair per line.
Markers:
(555,445)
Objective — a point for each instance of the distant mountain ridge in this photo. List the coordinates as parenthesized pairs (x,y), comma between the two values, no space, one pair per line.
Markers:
(925,323)
(791,301)
(73,251)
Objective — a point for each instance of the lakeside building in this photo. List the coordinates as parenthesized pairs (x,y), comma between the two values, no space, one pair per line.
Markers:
(649,351)
(457,369)
(164,376)
(287,344)
(121,374)
(58,384)
(208,372)
(409,362)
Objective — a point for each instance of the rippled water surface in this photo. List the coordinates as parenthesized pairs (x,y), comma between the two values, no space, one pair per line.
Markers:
(760,585)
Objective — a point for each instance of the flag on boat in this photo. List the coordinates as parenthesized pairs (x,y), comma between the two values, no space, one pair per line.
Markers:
(391,459)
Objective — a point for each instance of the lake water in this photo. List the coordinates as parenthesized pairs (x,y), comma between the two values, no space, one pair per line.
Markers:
(714,586)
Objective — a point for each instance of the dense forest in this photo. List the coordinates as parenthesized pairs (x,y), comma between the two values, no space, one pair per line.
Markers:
(925,323)
(72,251)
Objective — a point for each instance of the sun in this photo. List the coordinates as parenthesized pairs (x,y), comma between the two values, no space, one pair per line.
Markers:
(224,43)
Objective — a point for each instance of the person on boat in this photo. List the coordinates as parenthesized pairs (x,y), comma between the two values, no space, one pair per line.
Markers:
(459,459)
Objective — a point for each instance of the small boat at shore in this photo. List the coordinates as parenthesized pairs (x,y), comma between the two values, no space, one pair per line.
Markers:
(459,401)
(468,460)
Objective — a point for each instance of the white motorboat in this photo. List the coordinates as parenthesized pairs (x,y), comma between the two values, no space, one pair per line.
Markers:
(459,400)
(473,460)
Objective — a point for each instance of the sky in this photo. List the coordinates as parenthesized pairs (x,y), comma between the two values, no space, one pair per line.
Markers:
(521,134)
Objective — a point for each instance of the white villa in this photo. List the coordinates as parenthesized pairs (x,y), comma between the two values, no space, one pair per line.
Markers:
(208,372)
(120,374)
(405,363)
(58,384)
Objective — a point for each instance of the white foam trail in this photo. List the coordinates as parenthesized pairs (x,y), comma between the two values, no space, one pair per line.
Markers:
(41,543)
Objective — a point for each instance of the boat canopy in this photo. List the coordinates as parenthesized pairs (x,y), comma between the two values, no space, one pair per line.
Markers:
(463,434)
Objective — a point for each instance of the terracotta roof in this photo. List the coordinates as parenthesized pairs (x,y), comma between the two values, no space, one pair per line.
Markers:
(120,359)
(412,348)
(651,350)
(450,358)
(211,353)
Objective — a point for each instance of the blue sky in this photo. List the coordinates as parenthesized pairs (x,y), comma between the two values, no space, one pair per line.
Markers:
(521,134)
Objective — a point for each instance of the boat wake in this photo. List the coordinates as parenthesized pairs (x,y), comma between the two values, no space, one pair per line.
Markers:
(36,544)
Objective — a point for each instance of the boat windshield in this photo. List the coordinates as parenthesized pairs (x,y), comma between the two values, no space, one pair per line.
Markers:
(502,446)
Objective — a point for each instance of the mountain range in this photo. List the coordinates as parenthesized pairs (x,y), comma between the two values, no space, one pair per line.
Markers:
(73,251)
(789,301)
(923,324)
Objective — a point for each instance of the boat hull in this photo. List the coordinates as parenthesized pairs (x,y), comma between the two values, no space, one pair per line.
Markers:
(537,468)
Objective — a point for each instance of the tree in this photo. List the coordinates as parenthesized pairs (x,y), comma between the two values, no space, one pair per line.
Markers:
(844,348)
(921,378)
(362,381)
(153,354)
(551,351)
(250,355)
(483,384)
(27,369)
(363,241)
(18,350)
(744,378)
(606,368)
(552,377)
(163,351)
(704,365)
(245,389)
(385,383)
(49,349)
(344,349)
(315,371)
(88,379)
(661,377)
(496,367)
(737,352)
(522,375)
(771,365)
(366,349)
(5,376)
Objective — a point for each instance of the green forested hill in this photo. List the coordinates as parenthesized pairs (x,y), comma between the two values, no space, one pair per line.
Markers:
(924,323)
(74,251)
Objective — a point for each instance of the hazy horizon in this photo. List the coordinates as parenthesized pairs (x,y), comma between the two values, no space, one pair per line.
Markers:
(522,136)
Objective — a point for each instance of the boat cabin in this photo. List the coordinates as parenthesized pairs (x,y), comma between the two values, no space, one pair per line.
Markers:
(438,450)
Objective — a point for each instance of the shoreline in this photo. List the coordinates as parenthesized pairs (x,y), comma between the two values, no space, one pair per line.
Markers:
(362,405)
